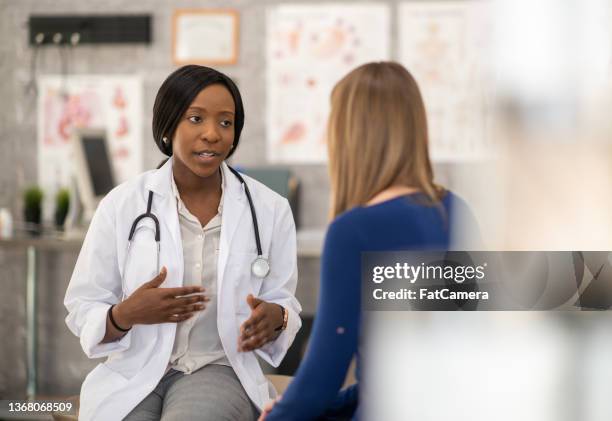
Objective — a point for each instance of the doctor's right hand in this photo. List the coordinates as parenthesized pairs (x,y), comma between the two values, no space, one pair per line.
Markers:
(151,304)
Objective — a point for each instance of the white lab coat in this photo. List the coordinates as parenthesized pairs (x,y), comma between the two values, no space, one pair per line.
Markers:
(137,362)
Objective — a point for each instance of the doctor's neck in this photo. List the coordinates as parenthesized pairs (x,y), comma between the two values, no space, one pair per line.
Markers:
(190,183)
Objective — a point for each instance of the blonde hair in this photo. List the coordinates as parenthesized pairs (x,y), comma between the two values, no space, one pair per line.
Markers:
(377,136)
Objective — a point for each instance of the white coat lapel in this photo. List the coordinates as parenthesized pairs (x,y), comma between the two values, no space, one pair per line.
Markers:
(233,208)
(164,207)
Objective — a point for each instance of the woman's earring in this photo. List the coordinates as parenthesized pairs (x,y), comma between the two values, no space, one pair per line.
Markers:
(165,140)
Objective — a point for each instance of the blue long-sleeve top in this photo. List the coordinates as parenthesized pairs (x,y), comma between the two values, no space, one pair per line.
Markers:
(403,223)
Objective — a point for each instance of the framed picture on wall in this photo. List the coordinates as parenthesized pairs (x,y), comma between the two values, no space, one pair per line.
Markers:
(205,36)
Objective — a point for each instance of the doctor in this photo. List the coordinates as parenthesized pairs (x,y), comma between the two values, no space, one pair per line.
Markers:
(186,273)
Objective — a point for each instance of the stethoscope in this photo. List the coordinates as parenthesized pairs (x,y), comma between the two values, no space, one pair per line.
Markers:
(260,266)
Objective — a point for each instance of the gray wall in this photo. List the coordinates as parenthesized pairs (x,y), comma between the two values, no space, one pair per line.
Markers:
(62,364)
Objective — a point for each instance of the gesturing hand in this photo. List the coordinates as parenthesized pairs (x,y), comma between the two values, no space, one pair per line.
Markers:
(259,329)
(151,304)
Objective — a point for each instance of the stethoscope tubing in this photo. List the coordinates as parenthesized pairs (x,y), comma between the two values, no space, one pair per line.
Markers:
(253,213)
(260,266)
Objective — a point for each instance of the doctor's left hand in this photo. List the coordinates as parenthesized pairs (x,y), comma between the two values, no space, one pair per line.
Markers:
(260,328)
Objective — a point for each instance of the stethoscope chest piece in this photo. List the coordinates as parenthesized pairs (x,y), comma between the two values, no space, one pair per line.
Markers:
(260,267)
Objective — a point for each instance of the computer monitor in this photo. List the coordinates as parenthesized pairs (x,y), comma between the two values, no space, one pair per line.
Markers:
(93,168)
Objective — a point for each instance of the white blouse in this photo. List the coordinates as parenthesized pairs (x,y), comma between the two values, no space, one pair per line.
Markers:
(197,341)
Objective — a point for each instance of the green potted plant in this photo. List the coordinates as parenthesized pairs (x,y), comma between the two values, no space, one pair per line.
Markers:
(33,208)
(62,202)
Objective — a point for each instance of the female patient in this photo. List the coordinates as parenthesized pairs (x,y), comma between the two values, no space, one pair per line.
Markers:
(383,198)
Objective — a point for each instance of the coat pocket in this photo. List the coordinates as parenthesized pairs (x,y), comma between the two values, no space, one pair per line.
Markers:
(99,384)
(142,346)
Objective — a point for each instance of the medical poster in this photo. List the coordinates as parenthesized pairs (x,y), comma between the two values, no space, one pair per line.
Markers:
(443,45)
(310,48)
(113,103)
